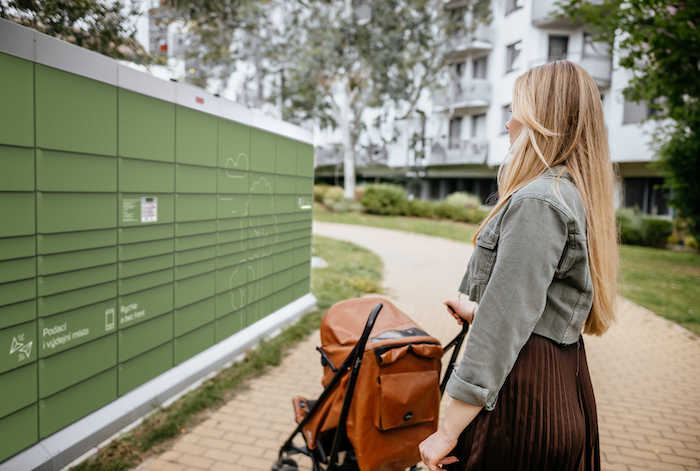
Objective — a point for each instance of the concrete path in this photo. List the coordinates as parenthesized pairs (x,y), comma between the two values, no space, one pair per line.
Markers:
(645,372)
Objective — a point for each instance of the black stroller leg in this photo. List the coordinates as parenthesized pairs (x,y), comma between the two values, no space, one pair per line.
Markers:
(318,456)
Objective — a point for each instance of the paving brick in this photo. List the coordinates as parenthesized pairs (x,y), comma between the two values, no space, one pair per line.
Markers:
(189,448)
(162,465)
(248,462)
(682,460)
(223,455)
(247,450)
(194,461)
(215,443)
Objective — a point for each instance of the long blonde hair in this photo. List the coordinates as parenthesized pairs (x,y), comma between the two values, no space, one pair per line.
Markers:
(561,113)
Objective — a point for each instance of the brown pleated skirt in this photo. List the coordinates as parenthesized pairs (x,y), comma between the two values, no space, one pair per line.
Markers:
(545,417)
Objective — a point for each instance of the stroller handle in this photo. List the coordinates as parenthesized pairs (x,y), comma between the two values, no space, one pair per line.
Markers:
(456,345)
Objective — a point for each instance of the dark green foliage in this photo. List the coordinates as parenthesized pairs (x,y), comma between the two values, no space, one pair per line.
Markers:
(100,26)
(656,231)
(419,208)
(629,222)
(635,229)
(385,198)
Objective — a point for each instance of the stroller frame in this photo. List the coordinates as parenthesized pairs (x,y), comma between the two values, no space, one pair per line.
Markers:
(352,362)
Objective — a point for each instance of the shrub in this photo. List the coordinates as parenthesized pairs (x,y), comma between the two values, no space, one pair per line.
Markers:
(320,191)
(419,208)
(463,199)
(445,210)
(345,205)
(384,198)
(333,195)
(655,231)
(359,191)
(629,221)
(476,215)
(690,241)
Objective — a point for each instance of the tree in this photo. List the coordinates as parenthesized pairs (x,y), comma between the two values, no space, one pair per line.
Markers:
(659,40)
(352,58)
(219,35)
(103,27)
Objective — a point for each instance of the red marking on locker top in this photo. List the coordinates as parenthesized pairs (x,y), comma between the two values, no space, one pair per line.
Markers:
(199,100)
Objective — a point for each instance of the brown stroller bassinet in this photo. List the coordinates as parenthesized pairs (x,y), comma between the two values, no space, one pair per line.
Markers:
(381,397)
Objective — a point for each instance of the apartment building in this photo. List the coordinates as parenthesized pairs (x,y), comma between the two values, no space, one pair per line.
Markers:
(463,135)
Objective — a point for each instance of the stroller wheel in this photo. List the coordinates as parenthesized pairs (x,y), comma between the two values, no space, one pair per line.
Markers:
(285,464)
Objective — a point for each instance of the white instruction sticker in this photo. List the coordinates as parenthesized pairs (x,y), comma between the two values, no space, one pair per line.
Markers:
(149,209)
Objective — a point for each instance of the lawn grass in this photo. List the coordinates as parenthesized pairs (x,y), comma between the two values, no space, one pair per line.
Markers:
(351,272)
(460,231)
(664,281)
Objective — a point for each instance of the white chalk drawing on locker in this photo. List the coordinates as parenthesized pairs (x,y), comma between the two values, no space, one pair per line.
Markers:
(238,297)
(18,345)
(241,291)
(257,290)
(232,164)
(259,232)
(240,212)
(263,182)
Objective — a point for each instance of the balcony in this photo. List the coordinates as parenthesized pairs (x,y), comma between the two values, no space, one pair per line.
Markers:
(599,66)
(459,97)
(464,42)
(544,15)
(466,151)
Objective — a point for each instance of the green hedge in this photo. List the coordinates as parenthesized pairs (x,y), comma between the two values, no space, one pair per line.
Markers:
(385,198)
(636,229)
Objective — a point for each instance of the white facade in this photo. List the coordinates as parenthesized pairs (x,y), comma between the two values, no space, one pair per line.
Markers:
(540,39)
(465,132)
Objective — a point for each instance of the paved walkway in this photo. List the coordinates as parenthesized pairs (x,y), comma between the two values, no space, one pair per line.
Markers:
(645,373)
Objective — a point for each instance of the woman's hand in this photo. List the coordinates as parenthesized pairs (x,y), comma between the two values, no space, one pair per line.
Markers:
(457,416)
(434,448)
(461,311)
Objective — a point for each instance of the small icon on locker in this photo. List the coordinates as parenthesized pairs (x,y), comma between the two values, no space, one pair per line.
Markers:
(109,319)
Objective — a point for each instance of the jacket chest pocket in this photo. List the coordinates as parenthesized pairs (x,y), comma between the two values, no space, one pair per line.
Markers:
(484,255)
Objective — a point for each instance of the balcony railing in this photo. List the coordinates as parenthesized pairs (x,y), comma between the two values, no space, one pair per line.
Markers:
(465,151)
(473,94)
(480,39)
(599,66)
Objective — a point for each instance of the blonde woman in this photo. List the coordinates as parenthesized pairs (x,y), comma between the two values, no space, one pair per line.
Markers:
(543,270)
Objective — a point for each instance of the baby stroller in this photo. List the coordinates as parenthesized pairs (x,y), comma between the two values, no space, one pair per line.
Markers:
(381,394)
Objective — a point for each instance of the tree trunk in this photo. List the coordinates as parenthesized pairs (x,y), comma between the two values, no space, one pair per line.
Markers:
(348,161)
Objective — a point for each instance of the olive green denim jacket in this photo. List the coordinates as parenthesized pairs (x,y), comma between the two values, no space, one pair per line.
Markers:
(528,273)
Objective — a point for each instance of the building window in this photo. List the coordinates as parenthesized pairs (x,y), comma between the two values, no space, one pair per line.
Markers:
(480,65)
(635,112)
(455,132)
(558,47)
(513,56)
(506,117)
(512,5)
(459,69)
(647,193)
(479,125)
